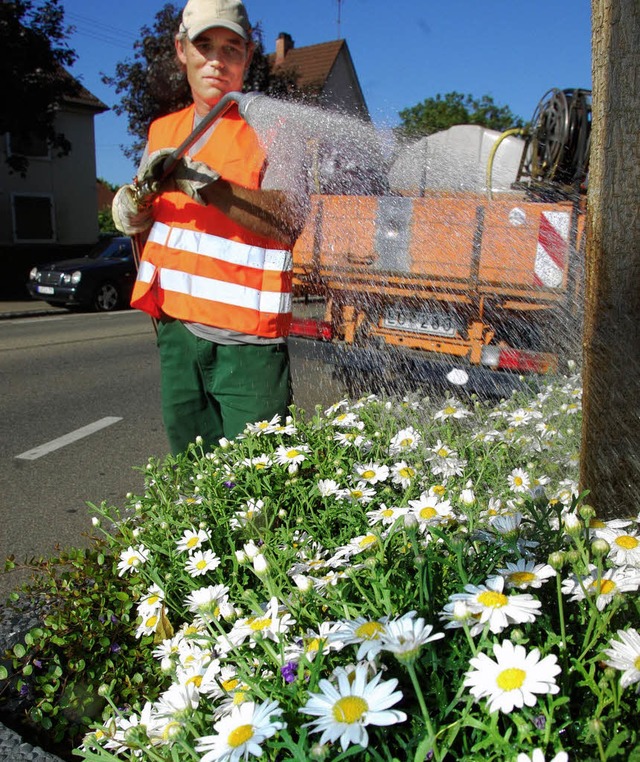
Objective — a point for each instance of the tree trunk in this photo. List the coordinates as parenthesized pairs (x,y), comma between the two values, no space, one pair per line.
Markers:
(610,459)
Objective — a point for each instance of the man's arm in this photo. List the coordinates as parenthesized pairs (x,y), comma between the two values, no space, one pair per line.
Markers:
(271,213)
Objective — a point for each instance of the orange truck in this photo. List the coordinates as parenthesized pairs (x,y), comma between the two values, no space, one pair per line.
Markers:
(457,277)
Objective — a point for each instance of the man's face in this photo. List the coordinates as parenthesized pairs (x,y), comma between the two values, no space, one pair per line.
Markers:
(215,62)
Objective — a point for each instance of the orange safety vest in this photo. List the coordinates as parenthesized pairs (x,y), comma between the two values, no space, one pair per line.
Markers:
(200,266)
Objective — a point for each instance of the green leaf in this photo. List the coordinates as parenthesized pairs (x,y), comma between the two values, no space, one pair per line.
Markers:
(4,674)
(19,650)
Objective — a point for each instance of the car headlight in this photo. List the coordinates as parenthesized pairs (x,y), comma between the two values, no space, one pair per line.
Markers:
(73,277)
(34,274)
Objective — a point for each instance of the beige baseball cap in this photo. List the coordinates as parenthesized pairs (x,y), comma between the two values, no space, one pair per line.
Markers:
(200,15)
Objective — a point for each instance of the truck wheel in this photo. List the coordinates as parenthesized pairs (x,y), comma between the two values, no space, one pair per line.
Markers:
(106,297)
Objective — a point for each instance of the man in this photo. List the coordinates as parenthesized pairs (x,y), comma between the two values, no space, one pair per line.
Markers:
(216,268)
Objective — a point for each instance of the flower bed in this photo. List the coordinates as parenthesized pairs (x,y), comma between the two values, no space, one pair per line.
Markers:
(386,580)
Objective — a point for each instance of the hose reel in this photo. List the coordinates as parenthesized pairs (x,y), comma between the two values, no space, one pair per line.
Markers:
(556,153)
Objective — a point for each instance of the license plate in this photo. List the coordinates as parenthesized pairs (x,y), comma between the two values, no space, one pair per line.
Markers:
(422,321)
(45,290)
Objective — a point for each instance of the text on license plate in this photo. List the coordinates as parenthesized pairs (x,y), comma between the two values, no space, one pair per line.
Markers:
(45,290)
(437,323)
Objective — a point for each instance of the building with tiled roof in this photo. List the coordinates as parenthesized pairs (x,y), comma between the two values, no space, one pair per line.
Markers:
(324,74)
(52,211)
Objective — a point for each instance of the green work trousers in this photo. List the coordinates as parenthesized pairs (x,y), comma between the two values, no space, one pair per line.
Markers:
(214,390)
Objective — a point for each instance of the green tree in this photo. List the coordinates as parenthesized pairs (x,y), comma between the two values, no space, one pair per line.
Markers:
(442,112)
(33,54)
(153,84)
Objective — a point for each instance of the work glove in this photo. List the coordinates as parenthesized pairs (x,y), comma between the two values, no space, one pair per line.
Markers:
(188,176)
(129,216)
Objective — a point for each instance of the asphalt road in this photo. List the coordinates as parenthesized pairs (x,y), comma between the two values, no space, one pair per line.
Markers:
(79,411)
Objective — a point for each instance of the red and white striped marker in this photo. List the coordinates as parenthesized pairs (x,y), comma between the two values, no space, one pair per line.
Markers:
(552,249)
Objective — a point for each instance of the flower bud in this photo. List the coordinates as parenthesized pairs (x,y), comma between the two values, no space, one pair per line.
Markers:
(95,521)
(556,560)
(303,582)
(600,547)
(260,565)
(587,512)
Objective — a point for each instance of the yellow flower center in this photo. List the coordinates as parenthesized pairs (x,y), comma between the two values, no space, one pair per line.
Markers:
(356,493)
(152,621)
(260,465)
(443,452)
(596,523)
(406,442)
(369,631)
(521,577)
(314,644)
(407,473)
(627,542)
(603,586)
(152,600)
(368,474)
(133,561)
(239,697)
(511,679)
(259,624)
(428,512)
(292,453)
(370,539)
(636,663)
(440,489)
(193,541)
(349,709)
(240,735)
(491,599)
(195,680)
(229,685)
(387,513)
(517,480)
(201,564)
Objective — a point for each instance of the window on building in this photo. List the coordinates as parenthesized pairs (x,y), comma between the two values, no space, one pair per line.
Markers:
(33,218)
(28,144)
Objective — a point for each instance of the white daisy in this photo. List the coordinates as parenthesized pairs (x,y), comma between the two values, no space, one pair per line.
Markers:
(624,655)
(263,427)
(344,711)
(365,633)
(337,406)
(132,559)
(404,441)
(201,562)
(452,409)
(538,756)
(371,472)
(209,602)
(514,679)
(360,493)
(625,546)
(519,480)
(268,624)
(431,511)
(496,608)
(603,586)
(350,439)
(259,463)
(405,636)
(329,488)
(403,474)
(241,733)
(291,456)
(192,540)
(345,420)
(385,515)
(252,508)
(524,574)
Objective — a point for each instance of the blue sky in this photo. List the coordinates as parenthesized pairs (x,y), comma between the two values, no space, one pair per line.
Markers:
(403,50)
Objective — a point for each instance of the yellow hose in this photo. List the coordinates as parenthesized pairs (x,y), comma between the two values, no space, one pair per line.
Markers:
(492,153)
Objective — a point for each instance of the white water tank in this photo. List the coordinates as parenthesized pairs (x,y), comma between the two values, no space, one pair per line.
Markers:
(456,160)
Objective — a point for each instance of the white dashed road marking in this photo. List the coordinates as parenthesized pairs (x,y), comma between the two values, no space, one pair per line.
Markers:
(72,436)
